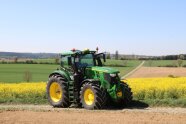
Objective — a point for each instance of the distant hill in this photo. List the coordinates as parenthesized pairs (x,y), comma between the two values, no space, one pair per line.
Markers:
(27,55)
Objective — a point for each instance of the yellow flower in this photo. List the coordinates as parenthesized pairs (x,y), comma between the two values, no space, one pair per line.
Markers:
(158,88)
(22,90)
(142,88)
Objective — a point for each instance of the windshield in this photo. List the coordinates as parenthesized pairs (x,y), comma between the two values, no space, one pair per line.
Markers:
(87,60)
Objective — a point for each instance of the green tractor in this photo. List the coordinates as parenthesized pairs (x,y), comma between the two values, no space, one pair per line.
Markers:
(81,80)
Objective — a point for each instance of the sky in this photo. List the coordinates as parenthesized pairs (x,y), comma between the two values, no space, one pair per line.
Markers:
(143,27)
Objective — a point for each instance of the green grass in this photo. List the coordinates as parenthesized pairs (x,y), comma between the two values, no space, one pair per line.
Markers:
(166,102)
(162,63)
(15,72)
(28,100)
(127,63)
(124,66)
(170,98)
(124,70)
(137,103)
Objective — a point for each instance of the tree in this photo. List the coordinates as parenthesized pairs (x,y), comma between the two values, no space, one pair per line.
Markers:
(180,62)
(27,76)
(116,55)
(15,59)
(182,57)
(57,59)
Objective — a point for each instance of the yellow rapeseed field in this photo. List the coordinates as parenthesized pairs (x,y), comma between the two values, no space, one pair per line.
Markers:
(158,88)
(24,92)
(142,88)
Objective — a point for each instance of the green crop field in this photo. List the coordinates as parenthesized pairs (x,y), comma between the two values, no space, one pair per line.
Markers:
(125,63)
(163,63)
(109,62)
(10,73)
(15,72)
(124,66)
(44,60)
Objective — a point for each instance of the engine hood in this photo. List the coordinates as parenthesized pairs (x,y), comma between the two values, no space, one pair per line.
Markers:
(105,69)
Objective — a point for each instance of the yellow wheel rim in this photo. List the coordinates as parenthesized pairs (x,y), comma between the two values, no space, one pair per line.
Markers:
(89,96)
(119,94)
(55,92)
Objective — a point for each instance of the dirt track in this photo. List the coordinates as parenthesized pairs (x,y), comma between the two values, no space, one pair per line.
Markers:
(145,72)
(46,114)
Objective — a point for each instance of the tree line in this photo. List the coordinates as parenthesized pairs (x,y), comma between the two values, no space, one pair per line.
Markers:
(118,56)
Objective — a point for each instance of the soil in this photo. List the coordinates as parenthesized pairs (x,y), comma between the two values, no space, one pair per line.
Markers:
(21,114)
(145,72)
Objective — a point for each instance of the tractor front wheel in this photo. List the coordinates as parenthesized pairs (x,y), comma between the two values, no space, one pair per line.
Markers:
(91,96)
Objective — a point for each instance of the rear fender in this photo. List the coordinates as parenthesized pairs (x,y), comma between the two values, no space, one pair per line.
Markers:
(62,73)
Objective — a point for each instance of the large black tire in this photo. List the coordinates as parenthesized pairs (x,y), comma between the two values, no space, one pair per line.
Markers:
(100,96)
(105,96)
(128,96)
(63,87)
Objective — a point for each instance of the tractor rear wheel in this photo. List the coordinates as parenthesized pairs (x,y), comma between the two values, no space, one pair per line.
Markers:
(57,92)
(127,94)
(92,96)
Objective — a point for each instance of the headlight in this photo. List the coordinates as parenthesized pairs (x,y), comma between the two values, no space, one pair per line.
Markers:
(113,75)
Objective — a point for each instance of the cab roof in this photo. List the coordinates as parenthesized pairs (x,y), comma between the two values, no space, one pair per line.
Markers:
(73,52)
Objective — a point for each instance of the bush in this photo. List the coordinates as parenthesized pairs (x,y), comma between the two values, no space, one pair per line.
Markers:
(180,62)
(172,76)
(27,76)
(168,66)
(29,62)
(184,65)
(4,62)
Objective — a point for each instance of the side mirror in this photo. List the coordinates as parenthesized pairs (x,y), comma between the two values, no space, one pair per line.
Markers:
(69,61)
(104,57)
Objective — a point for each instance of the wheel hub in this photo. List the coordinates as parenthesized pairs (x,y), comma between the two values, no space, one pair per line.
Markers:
(89,97)
(55,92)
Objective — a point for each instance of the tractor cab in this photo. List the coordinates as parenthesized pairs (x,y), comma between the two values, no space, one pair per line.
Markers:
(78,61)
(82,59)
